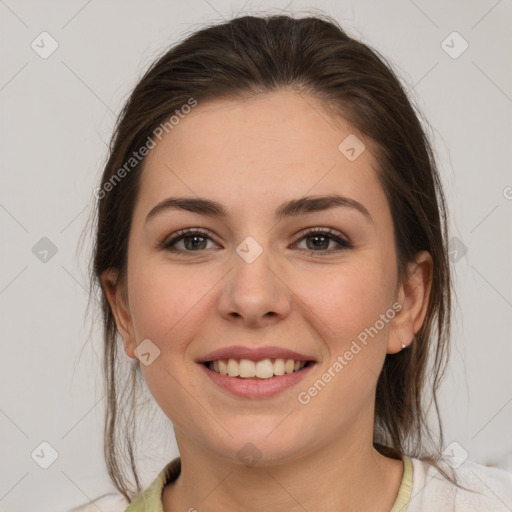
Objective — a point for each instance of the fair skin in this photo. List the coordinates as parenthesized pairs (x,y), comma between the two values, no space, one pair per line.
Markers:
(251,156)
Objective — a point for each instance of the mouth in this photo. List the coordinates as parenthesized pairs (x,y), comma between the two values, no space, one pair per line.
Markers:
(256,379)
(255,372)
(262,369)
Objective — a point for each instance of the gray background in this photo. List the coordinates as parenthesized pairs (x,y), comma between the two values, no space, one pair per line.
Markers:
(57,116)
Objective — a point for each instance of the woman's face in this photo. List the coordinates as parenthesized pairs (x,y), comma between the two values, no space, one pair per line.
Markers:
(254,279)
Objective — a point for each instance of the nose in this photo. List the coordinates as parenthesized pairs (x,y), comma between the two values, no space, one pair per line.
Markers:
(254,294)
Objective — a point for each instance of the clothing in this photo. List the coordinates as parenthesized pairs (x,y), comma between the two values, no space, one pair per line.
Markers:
(150,499)
(422,489)
(432,492)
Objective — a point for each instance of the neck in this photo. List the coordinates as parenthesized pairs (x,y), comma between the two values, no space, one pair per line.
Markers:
(336,476)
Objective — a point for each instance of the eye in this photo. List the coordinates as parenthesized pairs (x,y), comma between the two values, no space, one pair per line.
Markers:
(195,240)
(191,240)
(321,238)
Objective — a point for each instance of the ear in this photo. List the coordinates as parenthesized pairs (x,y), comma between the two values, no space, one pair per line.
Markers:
(118,300)
(413,295)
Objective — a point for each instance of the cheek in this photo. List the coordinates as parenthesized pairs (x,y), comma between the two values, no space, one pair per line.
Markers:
(347,300)
(168,304)
(165,300)
(347,306)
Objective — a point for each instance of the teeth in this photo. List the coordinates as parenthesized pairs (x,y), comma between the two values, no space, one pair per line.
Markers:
(279,367)
(263,369)
(247,368)
(223,367)
(232,368)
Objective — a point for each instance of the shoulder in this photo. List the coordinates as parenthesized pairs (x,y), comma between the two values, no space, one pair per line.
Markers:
(111,502)
(148,500)
(487,488)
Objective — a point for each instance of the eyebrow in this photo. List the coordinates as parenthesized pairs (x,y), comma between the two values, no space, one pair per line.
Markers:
(290,208)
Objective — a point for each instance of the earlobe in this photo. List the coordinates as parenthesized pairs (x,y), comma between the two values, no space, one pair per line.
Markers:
(118,300)
(413,295)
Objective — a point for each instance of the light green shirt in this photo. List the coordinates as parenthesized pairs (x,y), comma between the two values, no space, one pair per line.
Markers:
(150,500)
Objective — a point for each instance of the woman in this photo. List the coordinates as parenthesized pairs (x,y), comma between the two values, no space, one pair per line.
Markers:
(271,247)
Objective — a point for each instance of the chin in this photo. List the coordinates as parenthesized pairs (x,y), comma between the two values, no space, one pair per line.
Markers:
(260,448)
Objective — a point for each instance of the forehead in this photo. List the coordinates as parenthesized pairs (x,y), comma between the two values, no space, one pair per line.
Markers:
(259,151)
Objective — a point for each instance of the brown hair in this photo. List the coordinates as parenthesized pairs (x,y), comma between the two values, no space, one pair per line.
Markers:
(252,55)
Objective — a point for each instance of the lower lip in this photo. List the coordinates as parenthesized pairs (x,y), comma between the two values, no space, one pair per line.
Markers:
(257,388)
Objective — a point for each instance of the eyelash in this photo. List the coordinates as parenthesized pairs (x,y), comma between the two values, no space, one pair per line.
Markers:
(168,243)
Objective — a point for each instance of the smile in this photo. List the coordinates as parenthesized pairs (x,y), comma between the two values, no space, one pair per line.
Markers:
(264,378)
(262,369)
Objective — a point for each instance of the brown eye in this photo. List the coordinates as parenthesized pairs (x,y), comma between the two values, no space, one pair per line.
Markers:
(194,242)
(191,241)
(324,240)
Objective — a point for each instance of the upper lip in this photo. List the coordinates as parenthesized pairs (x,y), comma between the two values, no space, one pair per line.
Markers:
(254,354)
